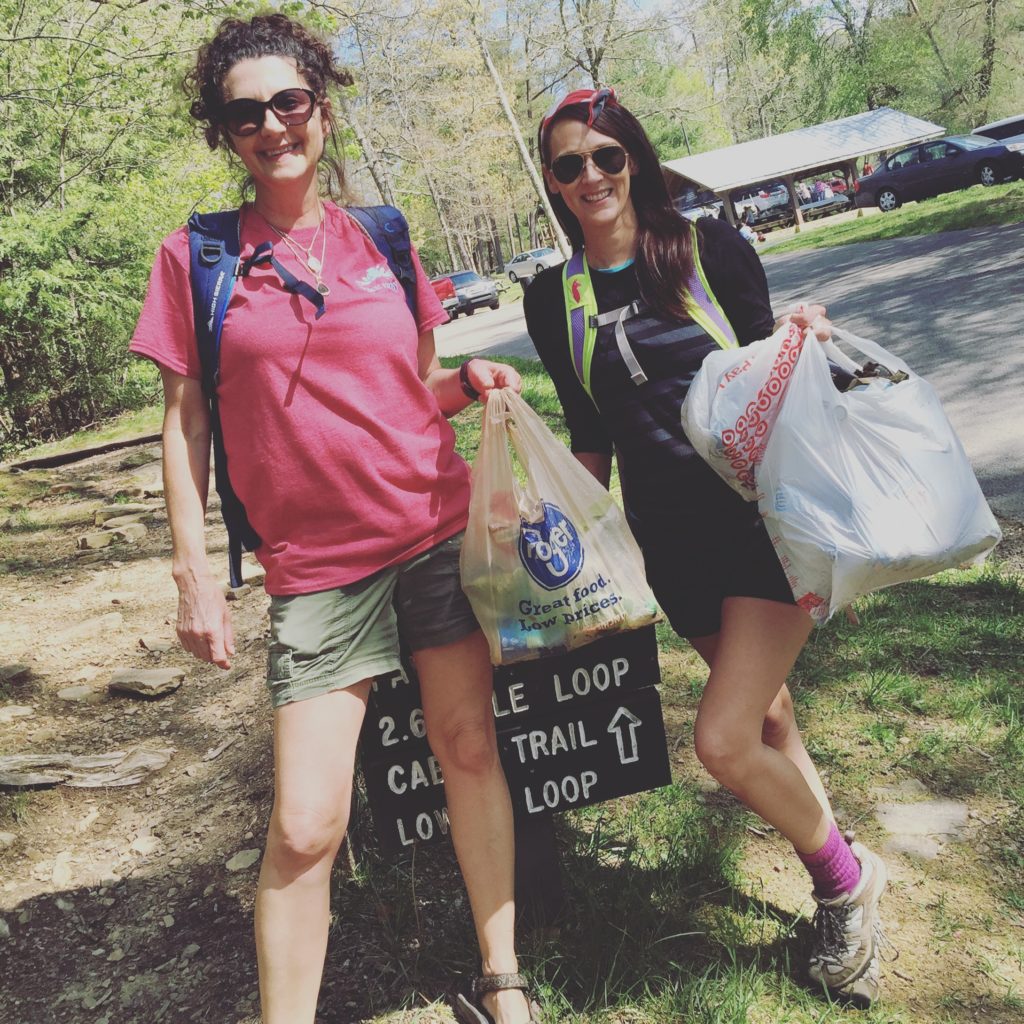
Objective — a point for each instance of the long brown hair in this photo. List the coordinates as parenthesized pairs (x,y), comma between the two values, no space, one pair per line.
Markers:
(664,258)
(267,35)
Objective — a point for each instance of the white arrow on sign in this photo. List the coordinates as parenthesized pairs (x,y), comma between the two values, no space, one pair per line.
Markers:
(620,734)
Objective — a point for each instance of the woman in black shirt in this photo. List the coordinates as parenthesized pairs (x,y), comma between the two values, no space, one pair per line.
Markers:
(622,329)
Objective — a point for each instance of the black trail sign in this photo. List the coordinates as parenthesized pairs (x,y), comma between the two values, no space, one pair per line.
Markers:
(573,730)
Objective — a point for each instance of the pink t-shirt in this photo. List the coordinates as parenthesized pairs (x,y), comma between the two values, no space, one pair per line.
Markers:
(337,449)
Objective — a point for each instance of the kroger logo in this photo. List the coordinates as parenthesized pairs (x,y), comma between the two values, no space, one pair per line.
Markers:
(551,550)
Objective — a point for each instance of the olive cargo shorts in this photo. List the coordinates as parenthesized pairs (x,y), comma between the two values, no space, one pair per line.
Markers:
(335,638)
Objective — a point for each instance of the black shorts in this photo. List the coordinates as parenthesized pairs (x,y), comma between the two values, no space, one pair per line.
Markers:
(692,569)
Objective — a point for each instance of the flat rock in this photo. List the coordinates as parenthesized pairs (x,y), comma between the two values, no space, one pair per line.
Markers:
(899,791)
(918,847)
(113,524)
(81,693)
(7,839)
(130,533)
(13,711)
(13,673)
(243,859)
(156,644)
(56,489)
(146,682)
(130,508)
(93,541)
(921,829)
(237,593)
(5,929)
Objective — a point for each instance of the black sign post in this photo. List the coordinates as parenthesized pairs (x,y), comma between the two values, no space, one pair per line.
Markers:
(573,730)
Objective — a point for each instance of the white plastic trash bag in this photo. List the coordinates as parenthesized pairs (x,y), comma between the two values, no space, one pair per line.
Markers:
(733,401)
(859,490)
(548,561)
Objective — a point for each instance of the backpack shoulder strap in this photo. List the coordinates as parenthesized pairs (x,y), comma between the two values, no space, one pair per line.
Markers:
(389,231)
(214,248)
(703,307)
(580,315)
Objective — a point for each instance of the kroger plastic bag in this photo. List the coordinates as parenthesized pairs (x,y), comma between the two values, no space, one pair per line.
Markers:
(549,563)
(859,490)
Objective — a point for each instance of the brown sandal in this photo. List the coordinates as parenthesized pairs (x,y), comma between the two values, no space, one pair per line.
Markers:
(469,1007)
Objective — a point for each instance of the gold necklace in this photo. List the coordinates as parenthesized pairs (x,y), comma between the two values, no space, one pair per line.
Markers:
(305,256)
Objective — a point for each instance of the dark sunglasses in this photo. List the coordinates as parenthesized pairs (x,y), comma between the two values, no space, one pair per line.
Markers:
(568,167)
(290,106)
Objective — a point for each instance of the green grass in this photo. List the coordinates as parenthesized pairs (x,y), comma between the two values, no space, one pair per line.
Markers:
(971,208)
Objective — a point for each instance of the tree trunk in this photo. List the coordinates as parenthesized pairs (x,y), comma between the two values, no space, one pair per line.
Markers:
(531,170)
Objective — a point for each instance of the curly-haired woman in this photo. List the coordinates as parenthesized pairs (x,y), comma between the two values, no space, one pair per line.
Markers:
(334,421)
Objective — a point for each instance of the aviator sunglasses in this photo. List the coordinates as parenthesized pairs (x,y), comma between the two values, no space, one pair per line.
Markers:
(568,167)
(290,106)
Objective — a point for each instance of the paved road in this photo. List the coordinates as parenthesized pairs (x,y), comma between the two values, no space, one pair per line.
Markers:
(951,304)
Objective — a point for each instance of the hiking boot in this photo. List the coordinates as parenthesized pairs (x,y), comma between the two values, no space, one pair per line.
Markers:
(848,935)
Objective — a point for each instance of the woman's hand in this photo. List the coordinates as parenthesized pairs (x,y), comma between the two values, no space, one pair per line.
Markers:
(808,315)
(484,376)
(204,622)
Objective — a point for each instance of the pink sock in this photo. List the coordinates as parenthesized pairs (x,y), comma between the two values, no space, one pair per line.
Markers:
(834,869)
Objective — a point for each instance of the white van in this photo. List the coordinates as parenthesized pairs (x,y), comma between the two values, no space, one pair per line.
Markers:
(1002,131)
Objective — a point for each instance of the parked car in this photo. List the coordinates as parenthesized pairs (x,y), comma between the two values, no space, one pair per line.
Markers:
(943,165)
(445,291)
(473,291)
(526,264)
(1009,129)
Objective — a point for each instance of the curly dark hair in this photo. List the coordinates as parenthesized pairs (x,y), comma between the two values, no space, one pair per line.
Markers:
(266,35)
(664,257)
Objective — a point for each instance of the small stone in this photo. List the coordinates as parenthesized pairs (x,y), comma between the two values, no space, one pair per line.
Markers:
(131,533)
(189,951)
(118,521)
(88,821)
(128,508)
(146,845)
(168,921)
(242,860)
(7,839)
(65,905)
(146,682)
(62,489)
(115,955)
(61,875)
(81,693)
(156,644)
(237,593)
(13,673)
(110,879)
(121,597)
(85,674)
(5,929)
(192,771)
(13,711)
(95,540)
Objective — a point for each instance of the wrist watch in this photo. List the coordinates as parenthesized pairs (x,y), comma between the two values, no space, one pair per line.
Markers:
(467,389)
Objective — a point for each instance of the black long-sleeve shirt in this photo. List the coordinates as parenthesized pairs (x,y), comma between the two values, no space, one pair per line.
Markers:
(661,473)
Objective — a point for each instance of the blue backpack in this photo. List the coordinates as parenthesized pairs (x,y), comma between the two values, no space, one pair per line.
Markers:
(215,264)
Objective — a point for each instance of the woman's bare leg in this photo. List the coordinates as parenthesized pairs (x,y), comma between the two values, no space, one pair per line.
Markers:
(456,683)
(314,757)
